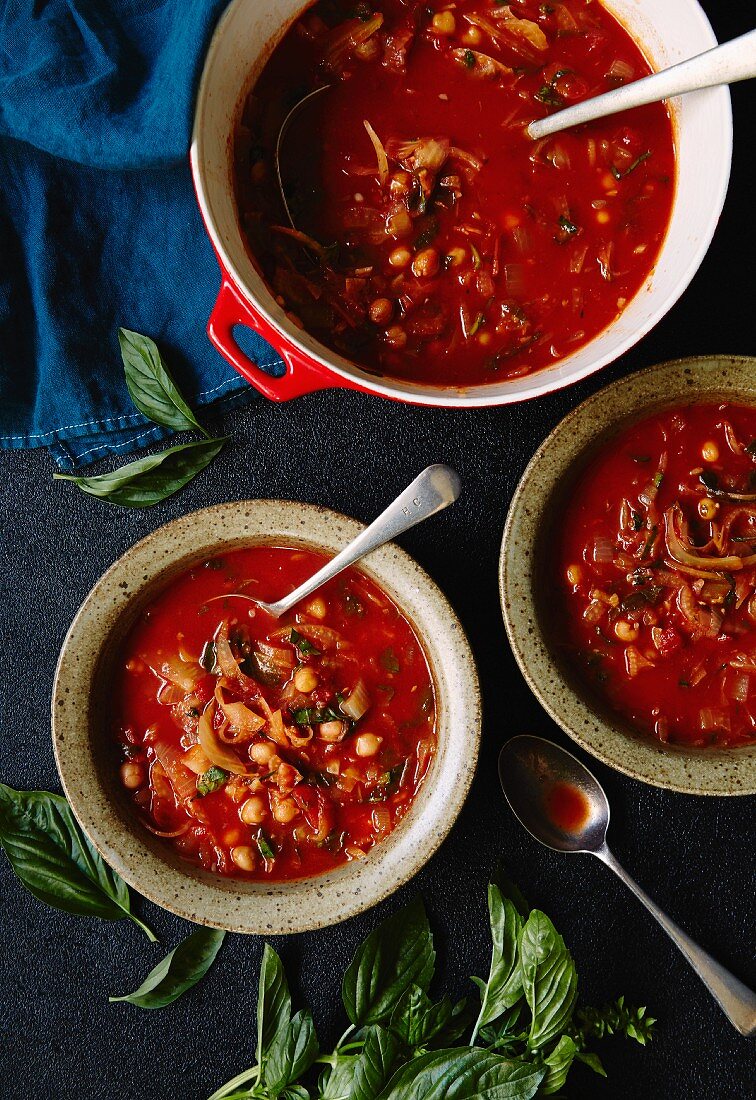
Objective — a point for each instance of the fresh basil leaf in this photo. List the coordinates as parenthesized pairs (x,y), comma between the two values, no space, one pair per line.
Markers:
(559,1062)
(211,780)
(504,986)
(151,387)
(273,1001)
(417,1020)
(591,1060)
(178,971)
(393,957)
(295,1092)
(549,979)
(511,891)
(54,860)
(293,1050)
(149,480)
(463,1073)
(336,1083)
(375,1064)
(505,1033)
(389,660)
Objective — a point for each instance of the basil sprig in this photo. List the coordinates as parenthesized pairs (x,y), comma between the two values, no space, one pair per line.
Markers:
(151,480)
(401,1045)
(54,860)
(178,971)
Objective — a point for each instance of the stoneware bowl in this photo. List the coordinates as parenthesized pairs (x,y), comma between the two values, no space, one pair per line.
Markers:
(527,585)
(669,31)
(88,766)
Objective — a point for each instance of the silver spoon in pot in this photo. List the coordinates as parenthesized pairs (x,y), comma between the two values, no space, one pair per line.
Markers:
(727,64)
(433,490)
(565,807)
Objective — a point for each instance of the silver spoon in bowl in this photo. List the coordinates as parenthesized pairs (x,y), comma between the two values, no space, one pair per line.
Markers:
(536,776)
(433,490)
(726,64)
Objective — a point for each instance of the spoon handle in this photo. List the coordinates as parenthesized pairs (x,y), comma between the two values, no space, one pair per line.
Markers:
(735,60)
(433,490)
(736,1000)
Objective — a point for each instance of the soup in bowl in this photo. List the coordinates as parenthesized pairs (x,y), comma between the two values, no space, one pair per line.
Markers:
(627,575)
(256,774)
(438,256)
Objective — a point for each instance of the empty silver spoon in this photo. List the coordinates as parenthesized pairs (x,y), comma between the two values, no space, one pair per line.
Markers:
(565,807)
(433,490)
(735,60)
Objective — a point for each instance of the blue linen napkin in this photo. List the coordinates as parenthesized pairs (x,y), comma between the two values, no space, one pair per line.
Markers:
(98,222)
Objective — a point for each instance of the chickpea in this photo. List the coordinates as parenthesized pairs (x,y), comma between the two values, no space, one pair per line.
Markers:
(399,224)
(133,775)
(367,744)
(707,508)
(244,857)
(456,256)
(400,257)
(262,752)
(626,632)
(317,608)
(426,263)
(332,731)
(396,337)
(574,574)
(444,23)
(710,451)
(232,837)
(381,311)
(254,810)
(603,217)
(305,680)
(472,37)
(285,811)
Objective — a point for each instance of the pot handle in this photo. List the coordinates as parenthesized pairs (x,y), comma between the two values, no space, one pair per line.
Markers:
(302,375)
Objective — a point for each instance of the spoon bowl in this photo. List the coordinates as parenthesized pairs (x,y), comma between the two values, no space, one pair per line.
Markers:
(536,776)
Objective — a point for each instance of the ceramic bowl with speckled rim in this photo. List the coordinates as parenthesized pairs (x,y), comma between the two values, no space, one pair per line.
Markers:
(527,582)
(87,761)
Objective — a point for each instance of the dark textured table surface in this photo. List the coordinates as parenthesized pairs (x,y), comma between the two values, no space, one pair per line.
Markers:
(60,1038)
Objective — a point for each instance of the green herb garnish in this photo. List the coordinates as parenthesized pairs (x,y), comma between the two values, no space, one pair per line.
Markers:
(266,851)
(567,230)
(305,647)
(623,175)
(638,521)
(389,661)
(469,59)
(428,233)
(211,780)
(313,716)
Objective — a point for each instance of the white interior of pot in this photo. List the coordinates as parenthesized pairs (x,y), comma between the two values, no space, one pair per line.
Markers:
(669,32)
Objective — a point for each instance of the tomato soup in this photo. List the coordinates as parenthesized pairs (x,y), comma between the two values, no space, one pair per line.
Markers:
(434,240)
(657,575)
(272,748)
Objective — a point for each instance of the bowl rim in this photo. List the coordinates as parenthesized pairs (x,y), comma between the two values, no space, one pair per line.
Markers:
(233,904)
(688,771)
(344,371)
